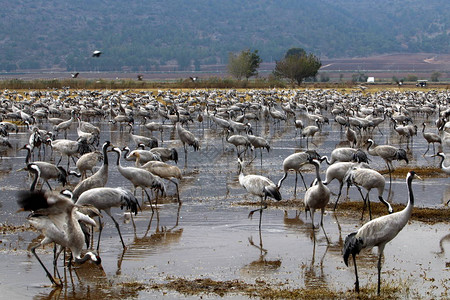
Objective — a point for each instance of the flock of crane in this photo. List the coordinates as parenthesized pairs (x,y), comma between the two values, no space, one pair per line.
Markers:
(63,217)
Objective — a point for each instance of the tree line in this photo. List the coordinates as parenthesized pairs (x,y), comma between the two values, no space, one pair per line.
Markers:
(295,66)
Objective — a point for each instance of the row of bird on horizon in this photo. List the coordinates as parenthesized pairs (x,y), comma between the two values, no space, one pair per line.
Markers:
(349,165)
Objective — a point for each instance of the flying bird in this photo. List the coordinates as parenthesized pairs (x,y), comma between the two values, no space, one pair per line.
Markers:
(96,53)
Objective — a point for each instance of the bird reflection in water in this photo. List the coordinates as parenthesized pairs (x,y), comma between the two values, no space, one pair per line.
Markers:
(260,265)
(150,244)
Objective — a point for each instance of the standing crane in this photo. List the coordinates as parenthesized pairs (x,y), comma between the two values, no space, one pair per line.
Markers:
(379,232)
(369,179)
(139,177)
(295,162)
(317,196)
(105,198)
(259,186)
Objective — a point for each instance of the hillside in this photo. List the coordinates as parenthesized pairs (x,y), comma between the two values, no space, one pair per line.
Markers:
(147,35)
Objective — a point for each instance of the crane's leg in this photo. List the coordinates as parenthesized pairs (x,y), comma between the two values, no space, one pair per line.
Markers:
(48,185)
(178,192)
(303,179)
(428,149)
(321,224)
(356,274)
(364,200)
(118,230)
(380,254)
(368,204)
(149,200)
(100,229)
(339,195)
(33,250)
(295,187)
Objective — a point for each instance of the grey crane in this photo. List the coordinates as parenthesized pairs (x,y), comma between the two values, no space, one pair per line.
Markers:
(162,170)
(99,179)
(369,179)
(295,162)
(431,138)
(317,196)
(150,142)
(105,198)
(166,154)
(347,154)
(87,162)
(338,171)
(388,153)
(258,142)
(310,131)
(57,218)
(187,138)
(259,186)
(379,232)
(145,155)
(139,177)
(238,141)
(444,168)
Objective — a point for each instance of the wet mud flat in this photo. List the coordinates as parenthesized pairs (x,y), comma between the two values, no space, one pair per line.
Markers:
(208,248)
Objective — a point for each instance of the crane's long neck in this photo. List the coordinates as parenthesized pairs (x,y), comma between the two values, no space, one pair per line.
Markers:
(319,180)
(119,153)
(37,175)
(105,155)
(370,149)
(326,159)
(408,209)
(28,157)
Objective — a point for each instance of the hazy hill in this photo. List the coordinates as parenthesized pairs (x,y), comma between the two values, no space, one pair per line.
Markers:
(141,35)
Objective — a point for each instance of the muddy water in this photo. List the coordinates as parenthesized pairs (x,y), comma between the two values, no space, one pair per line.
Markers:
(210,236)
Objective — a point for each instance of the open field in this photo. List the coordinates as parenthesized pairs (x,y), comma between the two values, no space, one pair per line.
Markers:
(207,247)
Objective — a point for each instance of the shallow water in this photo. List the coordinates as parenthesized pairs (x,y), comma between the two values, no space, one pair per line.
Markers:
(210,236)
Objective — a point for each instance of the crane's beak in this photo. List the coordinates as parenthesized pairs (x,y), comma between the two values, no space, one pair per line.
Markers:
(418,177)
(22,169)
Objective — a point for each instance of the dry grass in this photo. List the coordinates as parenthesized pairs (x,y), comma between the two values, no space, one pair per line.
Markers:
(263,290)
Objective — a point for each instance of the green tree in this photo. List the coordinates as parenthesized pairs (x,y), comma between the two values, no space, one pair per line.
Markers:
(297,65)
(435,76)
(244,64)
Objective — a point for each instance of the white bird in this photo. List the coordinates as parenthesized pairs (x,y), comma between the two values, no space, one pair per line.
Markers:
(105,198)
(96,53)
(57,218)
(259,186)
(317,196)
(379,232)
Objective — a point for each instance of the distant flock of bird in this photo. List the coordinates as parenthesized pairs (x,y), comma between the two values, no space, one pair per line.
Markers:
(64,217)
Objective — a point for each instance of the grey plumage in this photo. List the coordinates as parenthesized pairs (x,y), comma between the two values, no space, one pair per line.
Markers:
(105,198)
(379,232)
